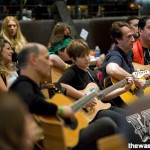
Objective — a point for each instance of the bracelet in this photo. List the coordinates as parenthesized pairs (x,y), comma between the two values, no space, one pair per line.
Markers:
(61,110)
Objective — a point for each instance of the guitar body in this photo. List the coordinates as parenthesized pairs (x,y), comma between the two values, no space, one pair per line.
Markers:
(71,136)
(147,91)
(133,94)
(141,67)
(88,113)
(84,115)
(128,97)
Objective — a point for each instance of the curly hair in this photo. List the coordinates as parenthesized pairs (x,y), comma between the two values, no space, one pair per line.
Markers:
(4,67)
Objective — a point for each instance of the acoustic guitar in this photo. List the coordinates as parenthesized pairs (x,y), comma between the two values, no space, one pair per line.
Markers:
(141,67)
(71,130)
(83,117)
(134,93)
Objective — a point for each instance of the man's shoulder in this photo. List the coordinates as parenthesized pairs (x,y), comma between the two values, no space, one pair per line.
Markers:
(112,53)
(71,69)
(20,81)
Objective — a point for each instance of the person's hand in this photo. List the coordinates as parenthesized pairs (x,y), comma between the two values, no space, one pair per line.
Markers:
(140,83)
(129,83)
(66,112)
(91,105)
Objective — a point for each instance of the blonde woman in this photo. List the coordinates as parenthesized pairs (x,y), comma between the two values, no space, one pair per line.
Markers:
(11,31)
(60,28)
(7,70)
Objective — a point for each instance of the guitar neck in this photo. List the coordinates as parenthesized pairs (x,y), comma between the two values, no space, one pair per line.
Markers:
(83,101)
(111,88)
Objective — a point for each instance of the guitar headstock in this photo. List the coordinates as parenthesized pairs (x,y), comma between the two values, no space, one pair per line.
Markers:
(140,74)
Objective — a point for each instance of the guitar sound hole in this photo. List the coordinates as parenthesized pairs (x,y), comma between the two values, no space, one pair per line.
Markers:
(85,109)
(71,125)
(138,92)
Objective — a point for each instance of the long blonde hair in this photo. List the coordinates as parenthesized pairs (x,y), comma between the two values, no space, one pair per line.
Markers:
(19,40)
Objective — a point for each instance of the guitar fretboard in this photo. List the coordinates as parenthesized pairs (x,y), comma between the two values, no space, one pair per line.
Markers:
(83,101)
(111,88)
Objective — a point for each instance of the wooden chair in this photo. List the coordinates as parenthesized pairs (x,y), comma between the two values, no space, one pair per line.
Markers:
(113,142)
(53,131)
(54,138)
(55,74)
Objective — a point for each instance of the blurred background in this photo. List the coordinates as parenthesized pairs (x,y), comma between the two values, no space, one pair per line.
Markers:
(79,9)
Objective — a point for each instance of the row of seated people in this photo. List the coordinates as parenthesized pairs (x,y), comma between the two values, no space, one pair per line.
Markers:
(34,56)
(31,59)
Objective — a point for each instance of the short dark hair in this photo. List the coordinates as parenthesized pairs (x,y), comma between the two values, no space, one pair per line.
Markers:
(115,30)
(24,54)
(142,22)
(131,18)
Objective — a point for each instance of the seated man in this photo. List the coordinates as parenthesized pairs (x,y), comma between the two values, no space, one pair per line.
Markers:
(31,61)
(34,68)
(141,47)
(118,62)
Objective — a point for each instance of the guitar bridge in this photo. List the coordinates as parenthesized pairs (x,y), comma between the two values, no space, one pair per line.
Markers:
(85,109)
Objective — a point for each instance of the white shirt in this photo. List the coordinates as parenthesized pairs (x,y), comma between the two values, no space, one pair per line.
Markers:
(12,77)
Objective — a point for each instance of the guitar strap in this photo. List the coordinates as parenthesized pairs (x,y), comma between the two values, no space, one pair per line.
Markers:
(91,77)
(93,80)
(53,88)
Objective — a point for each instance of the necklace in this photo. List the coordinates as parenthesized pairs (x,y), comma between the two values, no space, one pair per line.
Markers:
(91,76)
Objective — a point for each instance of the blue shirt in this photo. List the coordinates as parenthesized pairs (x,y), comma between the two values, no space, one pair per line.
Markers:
(119,57)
